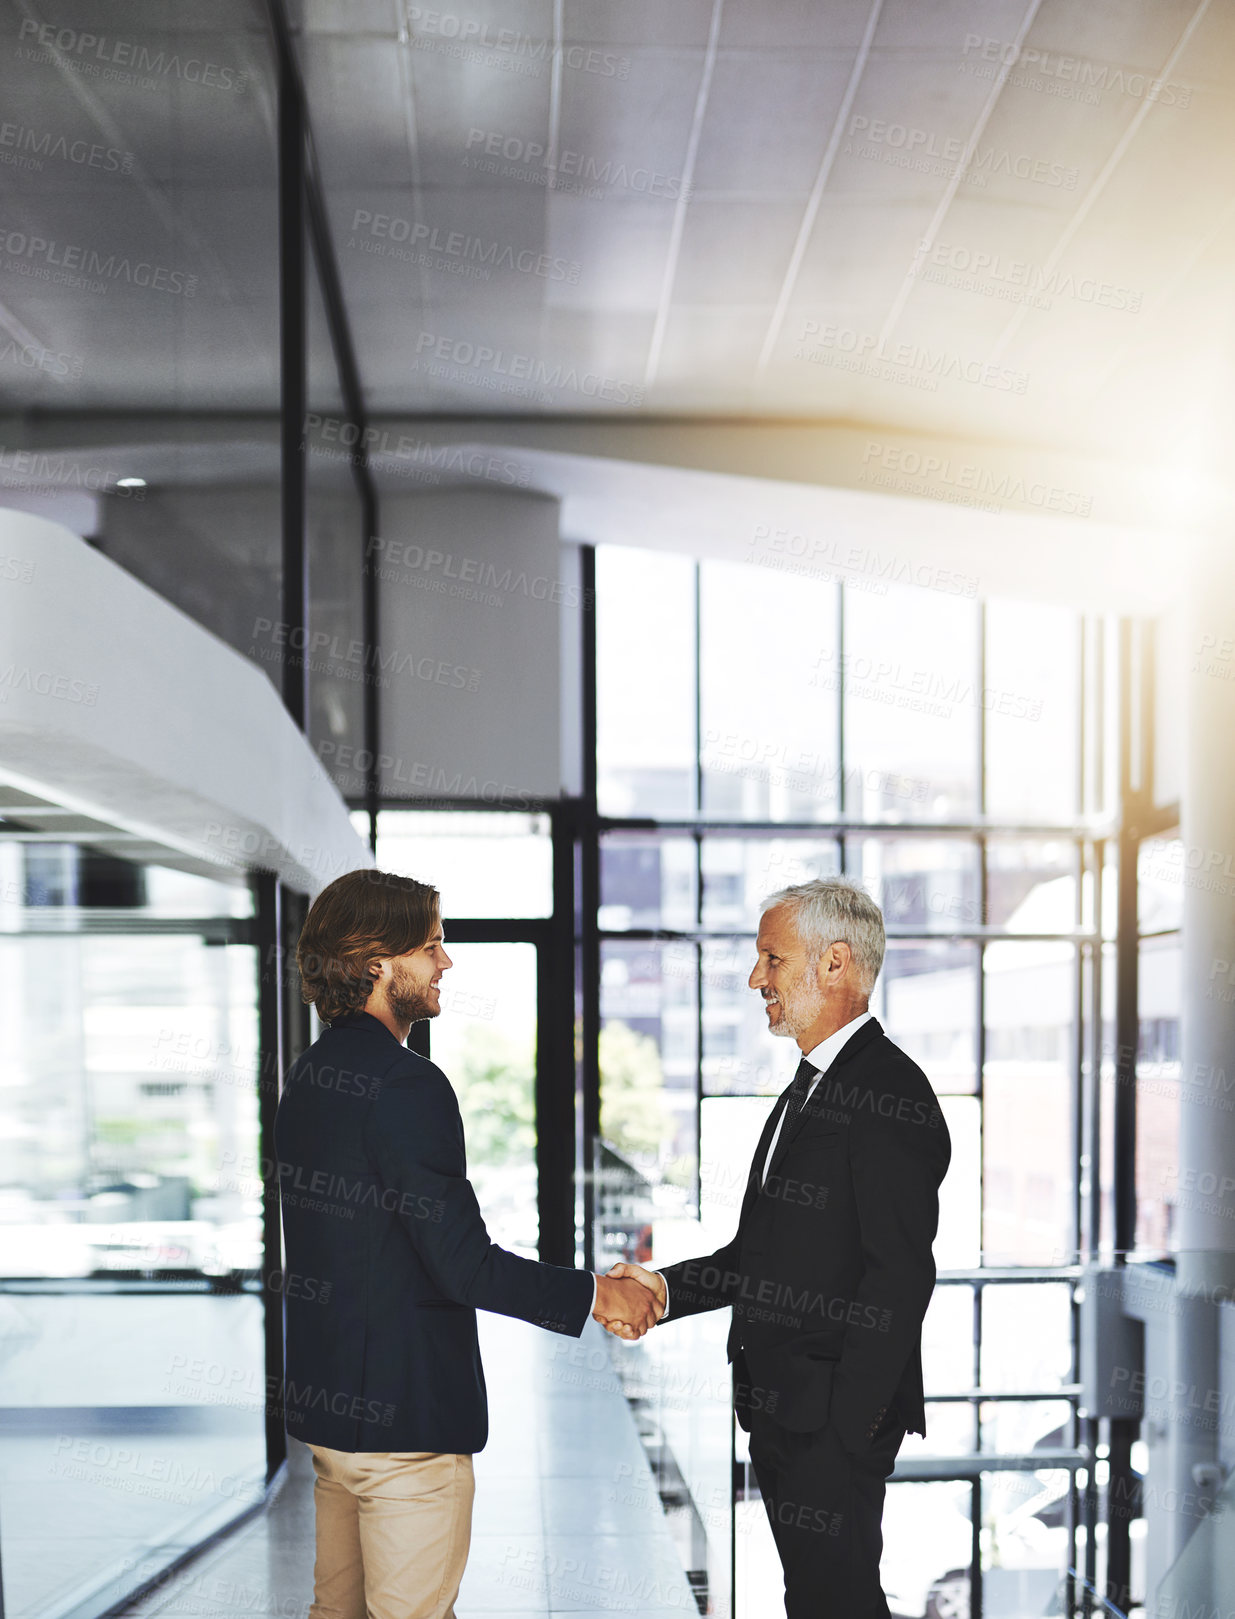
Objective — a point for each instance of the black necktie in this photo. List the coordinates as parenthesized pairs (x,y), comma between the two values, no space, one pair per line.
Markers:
(799,1090)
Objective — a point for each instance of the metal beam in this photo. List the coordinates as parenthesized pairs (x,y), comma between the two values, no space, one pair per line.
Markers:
(314,214)
(271,1039)
(588,900)
(292,382)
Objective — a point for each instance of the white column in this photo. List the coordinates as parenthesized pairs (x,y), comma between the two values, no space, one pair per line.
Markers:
(1184,1397)
(1206,1195)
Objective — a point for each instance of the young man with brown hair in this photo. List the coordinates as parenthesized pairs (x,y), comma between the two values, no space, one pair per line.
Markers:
(384,1380)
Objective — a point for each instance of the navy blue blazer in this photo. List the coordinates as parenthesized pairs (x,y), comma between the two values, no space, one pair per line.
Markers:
(388,1258)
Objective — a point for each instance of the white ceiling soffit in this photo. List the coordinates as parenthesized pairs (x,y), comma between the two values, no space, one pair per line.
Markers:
(824,499)
(118,707)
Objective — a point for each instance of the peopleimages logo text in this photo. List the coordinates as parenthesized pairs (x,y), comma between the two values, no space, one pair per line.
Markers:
(96,51)
(457,244)
(74,265)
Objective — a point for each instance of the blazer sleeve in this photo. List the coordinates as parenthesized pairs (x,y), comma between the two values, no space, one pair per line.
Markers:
(896,1168)
(707,1283)
(414,1137)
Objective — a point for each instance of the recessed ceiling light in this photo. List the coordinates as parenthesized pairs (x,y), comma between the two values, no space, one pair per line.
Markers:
(130,483)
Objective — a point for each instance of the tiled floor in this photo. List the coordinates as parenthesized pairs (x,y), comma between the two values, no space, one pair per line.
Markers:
(567,1519)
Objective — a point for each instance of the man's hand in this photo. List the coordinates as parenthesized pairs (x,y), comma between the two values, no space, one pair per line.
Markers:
(625,1305)
(648,1281)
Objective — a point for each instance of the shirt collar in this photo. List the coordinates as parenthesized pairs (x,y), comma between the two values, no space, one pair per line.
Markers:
(827,1051)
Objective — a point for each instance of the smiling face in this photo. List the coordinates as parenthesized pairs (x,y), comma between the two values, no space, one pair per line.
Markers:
(806,1000)
(785,977)
(411,989)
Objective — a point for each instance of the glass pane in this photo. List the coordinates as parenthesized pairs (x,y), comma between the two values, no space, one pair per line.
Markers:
(1028,1114)
(740,873)
(958,1243)
(740,1056)
(1025,1545)
(141,1426)
(130,1103)
(927,1541)
(67,877)
(911,705)
(759,633)
(1157,1095)
(645,683)
(926,997)
(947,1342)
(129,1156)
(484,863)
(1162,870)
(649,1063)
(647,882)
(923,884)
(730,1129)
(1010,1427)
(951,1430)
(485,1043)
(1031,885)
(1026,1336)
(1032,705)
(757,1568)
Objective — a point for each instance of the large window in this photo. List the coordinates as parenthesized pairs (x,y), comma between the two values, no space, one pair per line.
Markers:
(933,746)
(130,1217)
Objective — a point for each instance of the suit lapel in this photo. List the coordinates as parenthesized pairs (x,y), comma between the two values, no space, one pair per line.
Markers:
(755,1179)
(856,1041)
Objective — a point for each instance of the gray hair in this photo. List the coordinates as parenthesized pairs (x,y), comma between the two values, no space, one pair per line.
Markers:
(830,910)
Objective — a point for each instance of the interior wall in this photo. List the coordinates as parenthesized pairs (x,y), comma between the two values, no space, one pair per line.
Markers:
(472,597)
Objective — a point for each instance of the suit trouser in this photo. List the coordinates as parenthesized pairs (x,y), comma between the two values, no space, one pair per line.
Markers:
(393,1530)
(826,1512)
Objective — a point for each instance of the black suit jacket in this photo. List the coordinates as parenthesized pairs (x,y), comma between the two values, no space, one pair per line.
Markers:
(831,1269)
(388,1258)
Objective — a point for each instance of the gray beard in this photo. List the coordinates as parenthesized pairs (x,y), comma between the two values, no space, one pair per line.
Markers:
(793,1019)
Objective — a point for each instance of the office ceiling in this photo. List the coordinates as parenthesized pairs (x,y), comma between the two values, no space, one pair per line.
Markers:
(858,210)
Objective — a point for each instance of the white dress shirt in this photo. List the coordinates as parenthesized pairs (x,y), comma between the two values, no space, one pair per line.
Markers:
(821,1057)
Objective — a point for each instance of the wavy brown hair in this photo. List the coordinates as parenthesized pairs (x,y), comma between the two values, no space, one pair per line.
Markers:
(353,923)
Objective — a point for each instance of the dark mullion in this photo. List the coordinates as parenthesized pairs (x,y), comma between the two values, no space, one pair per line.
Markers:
(975,1581)
(555,1057)
(698,663)
(272,1036)
(698,850)
(952,936)
(589,903)
(699,1079)
(293,478)
(699,1026)
(1042,831)
(841,748)
(1093,1090)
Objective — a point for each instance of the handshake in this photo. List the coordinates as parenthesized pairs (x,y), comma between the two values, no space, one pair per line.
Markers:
(629,1300)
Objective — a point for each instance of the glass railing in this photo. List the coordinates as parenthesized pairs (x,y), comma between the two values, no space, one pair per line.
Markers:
(1202,1578)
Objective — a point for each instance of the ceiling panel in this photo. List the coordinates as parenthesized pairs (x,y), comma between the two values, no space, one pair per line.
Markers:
(735,251)
(742,150)
(673,226)
(793,25)
(637,23)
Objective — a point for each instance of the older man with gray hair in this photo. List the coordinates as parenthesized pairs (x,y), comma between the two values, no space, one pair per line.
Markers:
(831,1270)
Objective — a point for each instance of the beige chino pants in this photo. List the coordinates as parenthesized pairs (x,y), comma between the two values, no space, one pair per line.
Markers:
(393,1530)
